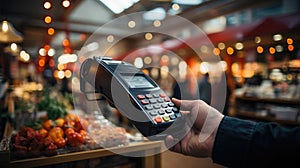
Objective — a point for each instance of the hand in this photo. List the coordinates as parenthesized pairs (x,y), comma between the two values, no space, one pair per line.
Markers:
(200,138)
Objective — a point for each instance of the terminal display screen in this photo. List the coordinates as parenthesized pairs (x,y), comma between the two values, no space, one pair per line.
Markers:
(137,81)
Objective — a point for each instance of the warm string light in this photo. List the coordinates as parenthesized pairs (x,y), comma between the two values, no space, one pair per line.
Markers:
(148,36)
(47,5)
(66,45)
(216,51)
(289,41)
(5,26)
(66,3)
(47,50)
(260,49)
(48,19)
(230,50)
(131,24)
(272,50)
(51,31)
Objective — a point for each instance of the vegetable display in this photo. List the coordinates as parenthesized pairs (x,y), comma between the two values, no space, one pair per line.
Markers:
(54,134)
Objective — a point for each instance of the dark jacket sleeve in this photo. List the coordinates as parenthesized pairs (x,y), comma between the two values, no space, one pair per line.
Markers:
(242,143)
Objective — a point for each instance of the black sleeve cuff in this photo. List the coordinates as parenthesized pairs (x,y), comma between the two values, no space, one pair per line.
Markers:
(232,141)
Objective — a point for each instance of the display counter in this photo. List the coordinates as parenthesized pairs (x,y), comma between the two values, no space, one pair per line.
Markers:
(279,110)
(107,157)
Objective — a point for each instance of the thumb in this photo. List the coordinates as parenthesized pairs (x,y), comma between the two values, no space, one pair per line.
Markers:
(184,104)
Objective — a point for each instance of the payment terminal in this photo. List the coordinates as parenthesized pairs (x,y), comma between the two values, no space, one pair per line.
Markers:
(134,94)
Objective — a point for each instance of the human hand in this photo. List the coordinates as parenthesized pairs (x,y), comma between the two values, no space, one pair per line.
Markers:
(199,140)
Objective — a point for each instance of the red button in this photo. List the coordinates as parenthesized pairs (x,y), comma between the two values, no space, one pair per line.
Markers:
(144,102)
(162,95)
(140,97)
(158,119)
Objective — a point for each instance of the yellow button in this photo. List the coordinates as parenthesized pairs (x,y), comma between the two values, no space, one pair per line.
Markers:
(166,118)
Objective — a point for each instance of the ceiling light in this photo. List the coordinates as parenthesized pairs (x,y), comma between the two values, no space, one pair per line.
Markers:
(257,39)
(66,58)
(175,7)
(260,49)
(131,24)
(118,6)
(148,36)
(277,37)
(291,47)
(279,48)
(230,50)
(51,52)
(4,26)
(239,46)
(138,62)
(147,60)
(110,38)
(156,23)
(155,14)
(42,52)
(22,53)
(48,19)
(272,50)
(14,47)
(24,56)
(189,2)
(51,31)
(204,67)
(8,34)
(92,46)
(289,41)
(216,51)
(47,5)
(66,3)
(221,46)
(68,73)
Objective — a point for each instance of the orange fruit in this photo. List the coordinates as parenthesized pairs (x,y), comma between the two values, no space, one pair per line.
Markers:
(59,122)
(48,124)
(43,132)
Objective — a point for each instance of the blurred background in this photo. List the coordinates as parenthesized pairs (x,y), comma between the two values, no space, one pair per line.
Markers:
(257,43)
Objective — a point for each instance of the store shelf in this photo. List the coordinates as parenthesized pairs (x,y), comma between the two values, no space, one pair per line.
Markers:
(150,148)
(260,117)
(269,100)
(261,109)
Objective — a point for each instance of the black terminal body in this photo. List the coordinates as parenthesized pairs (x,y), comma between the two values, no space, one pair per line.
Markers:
(134,94)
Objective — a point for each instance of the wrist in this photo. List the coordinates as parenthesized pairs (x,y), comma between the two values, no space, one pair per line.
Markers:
(211,140)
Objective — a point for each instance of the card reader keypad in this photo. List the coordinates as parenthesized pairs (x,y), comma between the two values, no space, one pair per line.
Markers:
(159,107)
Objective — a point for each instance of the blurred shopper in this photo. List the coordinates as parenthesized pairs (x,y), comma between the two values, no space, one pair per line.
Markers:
(186,89)
(202,89)
(205,89)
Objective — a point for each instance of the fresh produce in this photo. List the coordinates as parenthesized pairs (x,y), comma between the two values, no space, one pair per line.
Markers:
(48,124)
(57,131)
(69,131)
(43,132)
(55,108)
(60,142)
(59,122)
(27,143)
(51,150)
(48,141)
(75,139)
(52,134)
